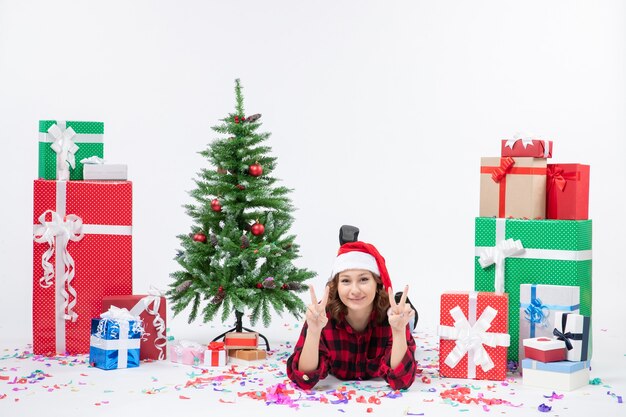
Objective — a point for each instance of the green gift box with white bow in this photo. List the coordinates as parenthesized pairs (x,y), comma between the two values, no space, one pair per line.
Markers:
(511,252)
(63,144)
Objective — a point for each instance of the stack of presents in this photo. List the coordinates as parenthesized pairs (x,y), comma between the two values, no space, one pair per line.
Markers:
(532,276)
(83,298)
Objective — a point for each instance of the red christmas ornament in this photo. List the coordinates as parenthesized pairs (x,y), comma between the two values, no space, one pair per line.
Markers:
(259,285)
(220,289)
(241,187)
(256,170)
(215,205)
(199,237)
(284,286)
(239,119)
(257,229)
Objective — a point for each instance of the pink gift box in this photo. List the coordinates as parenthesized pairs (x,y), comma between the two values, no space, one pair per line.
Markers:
(186,352)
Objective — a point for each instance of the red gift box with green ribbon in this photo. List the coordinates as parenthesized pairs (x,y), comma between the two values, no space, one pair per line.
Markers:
(567,195)
(82,252)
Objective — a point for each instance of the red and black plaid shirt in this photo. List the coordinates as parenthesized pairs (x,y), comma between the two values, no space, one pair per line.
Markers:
(351,355)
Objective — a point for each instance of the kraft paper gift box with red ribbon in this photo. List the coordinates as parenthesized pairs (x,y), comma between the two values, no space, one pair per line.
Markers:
(538,307)
(151,309)
(473,335)
(527,146)
(511,252)
(115,338)
(513,187)
(186,352)
(241,340)
(544,349)
(82,252)
(574,330)
(567,195)
(555,376)
(215,354)
(64,144)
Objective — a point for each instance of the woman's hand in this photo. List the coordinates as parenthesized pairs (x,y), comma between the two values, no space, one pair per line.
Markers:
(401,313)
(316,317)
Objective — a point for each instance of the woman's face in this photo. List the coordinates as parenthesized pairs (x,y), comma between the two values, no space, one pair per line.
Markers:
(357,289)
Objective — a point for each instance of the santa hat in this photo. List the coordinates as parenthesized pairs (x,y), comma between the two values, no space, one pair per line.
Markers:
(361,255)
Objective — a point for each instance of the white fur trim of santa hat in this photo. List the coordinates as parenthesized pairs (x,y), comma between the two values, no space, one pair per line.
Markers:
(354,260)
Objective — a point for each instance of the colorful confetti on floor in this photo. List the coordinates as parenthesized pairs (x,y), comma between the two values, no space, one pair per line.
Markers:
(30,384)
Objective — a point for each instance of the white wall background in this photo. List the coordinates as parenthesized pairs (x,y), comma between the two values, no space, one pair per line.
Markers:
(379,112)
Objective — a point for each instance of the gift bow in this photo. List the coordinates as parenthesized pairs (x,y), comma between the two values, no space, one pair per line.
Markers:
(526,140)
(470,339)
(64,145)
(497,255)
(534,313)
(216,346)
(559,177)
(505,166)
(64,230)
(566,336)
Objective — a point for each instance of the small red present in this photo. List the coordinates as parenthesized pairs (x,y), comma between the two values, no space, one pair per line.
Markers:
(151,309)
(473,335)
(544,349)
(567,195)
(241,340)
(82,252)
(527,146)
(215,354)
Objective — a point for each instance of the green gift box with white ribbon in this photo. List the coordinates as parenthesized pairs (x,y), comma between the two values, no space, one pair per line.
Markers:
(511,252)
(63,144)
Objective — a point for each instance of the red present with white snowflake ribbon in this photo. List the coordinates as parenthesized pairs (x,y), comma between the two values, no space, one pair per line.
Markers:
(82,252)
(474,335)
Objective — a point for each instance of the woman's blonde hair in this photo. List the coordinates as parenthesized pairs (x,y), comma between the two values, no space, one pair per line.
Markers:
(338,309)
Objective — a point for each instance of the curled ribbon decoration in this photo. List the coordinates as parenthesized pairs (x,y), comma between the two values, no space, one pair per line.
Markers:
(497,255)
(470,339)
(216,346)
(536,312)
(59,232)
(154,300)
(525,139)
(505,166)
(64,147)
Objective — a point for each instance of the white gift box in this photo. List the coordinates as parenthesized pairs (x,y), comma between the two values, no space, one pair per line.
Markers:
(105,172)
(576,329)
(538,306)
(215,357)
(555,376)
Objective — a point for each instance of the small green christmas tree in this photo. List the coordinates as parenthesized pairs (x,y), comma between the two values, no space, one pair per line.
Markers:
(239,254)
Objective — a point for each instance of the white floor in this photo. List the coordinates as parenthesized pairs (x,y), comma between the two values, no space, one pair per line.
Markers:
(31,386)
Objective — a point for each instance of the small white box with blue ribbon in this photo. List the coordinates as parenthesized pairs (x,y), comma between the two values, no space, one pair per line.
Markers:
(115,339)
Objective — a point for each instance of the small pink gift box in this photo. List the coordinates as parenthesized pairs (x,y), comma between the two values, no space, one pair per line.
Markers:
(544,349)
(186,352)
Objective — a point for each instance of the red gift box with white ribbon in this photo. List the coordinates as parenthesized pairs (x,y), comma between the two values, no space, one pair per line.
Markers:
(527,146)
(82,252)
(151,310)
(474,335)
